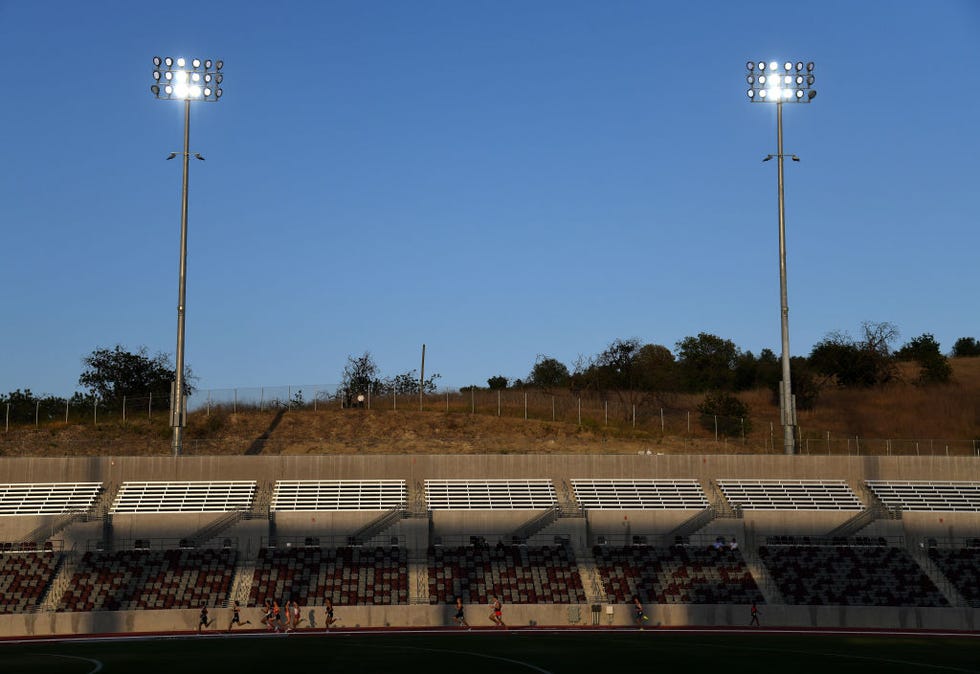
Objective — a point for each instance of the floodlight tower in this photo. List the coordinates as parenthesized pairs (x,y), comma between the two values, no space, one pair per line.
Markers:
(789,83)
(185,80)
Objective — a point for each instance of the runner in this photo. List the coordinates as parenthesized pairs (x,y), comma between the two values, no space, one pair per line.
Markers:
(203,622)
(495,613)
(639,616)
(276,615)
(236,617)
(330,619)
(267,617)
(296,617)
(459,617)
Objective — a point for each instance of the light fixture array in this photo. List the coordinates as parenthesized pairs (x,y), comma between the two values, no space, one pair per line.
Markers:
(775,83)
(187,79)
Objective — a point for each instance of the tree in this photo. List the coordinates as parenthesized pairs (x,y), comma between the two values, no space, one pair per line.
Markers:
(878,338)
(111,374)
(864,363)
(497,383)
(707,362)
(768,369)
(924,349)
(966,347)
(934,370)
(616,366)
(746,373)
(548,373)
(923,346)
(360,377)
(731,414)
(805,386)
(408,383)
(656,369)
(616,370)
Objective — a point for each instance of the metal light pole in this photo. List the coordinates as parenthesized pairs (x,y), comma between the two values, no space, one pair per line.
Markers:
(184,80)
(770,83)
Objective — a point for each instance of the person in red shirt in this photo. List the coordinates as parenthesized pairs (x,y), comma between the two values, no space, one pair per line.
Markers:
(496,613)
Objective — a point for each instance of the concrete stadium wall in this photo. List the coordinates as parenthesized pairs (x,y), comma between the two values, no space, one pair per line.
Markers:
(918,525)
(322,523)
(161,525)
(416,469)
(636,522)
(671,615)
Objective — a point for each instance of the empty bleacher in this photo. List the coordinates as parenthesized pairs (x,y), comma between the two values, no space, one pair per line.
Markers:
(47,498)
(639,494)
(517,574)
(849,575)
(150,579)
(675,575)
(961,567)
(790,495)
(183,497)
(489,494)
(338,495)
(928,496)
(24,578)
(349,576)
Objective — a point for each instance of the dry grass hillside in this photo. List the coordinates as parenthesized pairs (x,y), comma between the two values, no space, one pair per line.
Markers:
(899,418)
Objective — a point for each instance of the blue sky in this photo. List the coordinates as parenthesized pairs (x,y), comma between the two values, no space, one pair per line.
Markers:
(496,180)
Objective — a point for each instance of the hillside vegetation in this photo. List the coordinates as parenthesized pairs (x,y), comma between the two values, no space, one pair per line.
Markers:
(896,418)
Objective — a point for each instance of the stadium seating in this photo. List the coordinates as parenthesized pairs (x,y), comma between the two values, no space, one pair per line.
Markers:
(150,579)
(183,497)
(928,496)
(489,494)
(790,495)
(348,576)
(961,566)
(338,495)
(639,494)
(47,498)
(24,577)
(517,574)
(849,575)
(675,575)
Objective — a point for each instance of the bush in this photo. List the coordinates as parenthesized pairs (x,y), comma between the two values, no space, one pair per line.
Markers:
(966,347)
(732,414)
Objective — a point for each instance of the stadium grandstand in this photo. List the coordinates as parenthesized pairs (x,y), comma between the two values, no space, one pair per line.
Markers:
(130,544)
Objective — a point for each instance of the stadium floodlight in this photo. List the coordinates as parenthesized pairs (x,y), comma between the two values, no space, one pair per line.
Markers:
(182,84)
(185,78)
(772,84)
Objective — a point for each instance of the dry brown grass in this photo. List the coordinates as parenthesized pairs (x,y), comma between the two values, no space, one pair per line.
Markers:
(929,419)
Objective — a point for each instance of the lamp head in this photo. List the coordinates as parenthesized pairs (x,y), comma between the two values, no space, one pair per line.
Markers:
(186,79)
(776,82)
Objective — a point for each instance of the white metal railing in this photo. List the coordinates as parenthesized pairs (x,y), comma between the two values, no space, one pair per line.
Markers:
(790,494)
(178,497)
(47,498)
(338,495)
(927,495)
(490,494)
(639,494)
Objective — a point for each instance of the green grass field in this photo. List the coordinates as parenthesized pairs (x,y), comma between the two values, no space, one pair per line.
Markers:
(496,653)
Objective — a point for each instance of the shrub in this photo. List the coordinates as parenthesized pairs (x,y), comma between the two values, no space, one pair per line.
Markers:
(732,414)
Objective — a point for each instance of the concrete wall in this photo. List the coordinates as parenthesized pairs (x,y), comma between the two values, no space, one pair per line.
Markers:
(416,469)
(671,615)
